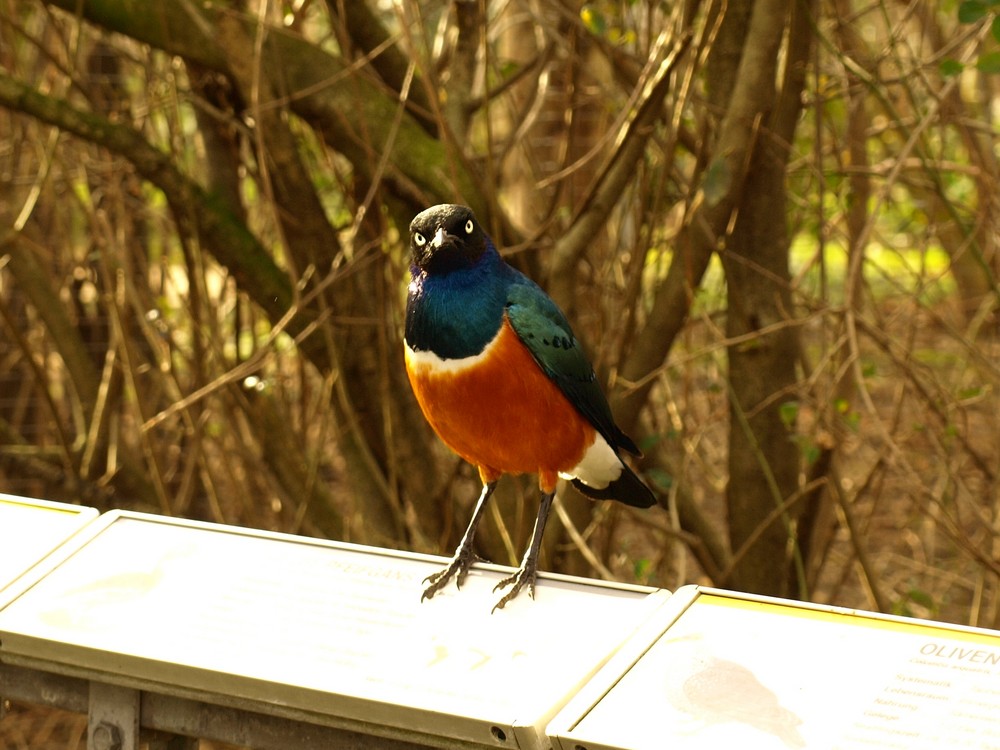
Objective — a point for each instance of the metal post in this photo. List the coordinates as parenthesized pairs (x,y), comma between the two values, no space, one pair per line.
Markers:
(113,718)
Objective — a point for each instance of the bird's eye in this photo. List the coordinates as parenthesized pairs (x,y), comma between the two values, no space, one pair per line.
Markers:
(469,226)
(419,240)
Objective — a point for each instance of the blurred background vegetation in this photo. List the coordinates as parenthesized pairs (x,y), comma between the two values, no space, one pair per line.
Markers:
(773,223)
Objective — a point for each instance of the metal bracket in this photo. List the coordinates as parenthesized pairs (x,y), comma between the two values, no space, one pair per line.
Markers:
(113,718)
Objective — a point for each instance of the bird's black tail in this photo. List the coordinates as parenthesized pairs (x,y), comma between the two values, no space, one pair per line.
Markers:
(627,488)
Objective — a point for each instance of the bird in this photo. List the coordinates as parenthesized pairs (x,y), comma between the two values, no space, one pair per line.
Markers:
(500,376)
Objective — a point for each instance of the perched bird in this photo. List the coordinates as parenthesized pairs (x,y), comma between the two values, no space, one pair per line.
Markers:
(501,378)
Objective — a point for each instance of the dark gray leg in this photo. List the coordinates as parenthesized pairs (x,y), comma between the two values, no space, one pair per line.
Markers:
(525,575)
(464,555)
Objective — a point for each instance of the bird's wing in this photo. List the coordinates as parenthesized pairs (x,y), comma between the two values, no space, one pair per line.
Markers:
(544,330)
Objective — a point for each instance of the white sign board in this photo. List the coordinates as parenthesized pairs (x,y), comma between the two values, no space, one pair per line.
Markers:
(31,529)
(318,629)
(720,669)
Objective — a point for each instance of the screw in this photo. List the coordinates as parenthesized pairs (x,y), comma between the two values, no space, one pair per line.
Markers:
(107,737)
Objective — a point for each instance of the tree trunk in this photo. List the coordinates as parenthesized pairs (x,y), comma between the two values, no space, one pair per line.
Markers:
(760,323)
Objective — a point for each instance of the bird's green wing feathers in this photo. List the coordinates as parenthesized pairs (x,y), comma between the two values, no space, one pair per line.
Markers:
(544,330)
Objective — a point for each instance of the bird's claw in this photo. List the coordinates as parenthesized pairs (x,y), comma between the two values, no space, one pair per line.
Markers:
(523,576)
(460,565)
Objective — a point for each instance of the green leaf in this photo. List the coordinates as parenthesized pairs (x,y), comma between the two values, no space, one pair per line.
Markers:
(647,443)
(922,599)
(593,19)
(995,28)
(508,68)
(900,609)
(951,67)
(971,11)
(972,391)
(989,63)
(807,447)
(789,412)
(660,478)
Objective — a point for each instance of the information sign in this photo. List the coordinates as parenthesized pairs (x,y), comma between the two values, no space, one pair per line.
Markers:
(31,529)
(720,669)
(331,632)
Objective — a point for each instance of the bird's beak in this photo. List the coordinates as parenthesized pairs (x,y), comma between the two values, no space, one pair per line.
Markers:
(440,237)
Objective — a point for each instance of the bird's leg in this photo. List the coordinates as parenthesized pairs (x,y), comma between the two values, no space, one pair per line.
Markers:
(464,555)
(525,575)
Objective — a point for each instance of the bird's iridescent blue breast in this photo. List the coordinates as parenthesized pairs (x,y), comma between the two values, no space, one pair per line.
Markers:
(456,314)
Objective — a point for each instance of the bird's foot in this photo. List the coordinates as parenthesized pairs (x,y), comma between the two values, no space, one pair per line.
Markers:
(459,565)
(523,576)
(464,556)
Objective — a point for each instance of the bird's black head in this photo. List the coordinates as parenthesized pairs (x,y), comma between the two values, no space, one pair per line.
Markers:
(445,238)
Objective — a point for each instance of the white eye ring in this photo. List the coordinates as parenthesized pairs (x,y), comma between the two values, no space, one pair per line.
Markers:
(419,240)
(469,226)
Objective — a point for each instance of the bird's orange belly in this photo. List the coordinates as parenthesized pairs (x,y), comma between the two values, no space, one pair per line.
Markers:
(500,411)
